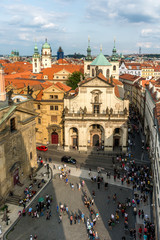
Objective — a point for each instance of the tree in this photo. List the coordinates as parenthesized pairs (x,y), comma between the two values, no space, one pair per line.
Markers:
(74,79)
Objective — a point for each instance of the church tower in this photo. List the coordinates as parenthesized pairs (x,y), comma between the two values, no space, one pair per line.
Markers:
(46,55)
(2,85)
(36,64)
(115,63)
(88,60)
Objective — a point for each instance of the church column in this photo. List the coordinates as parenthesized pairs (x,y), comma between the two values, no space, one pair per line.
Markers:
(82,139)
(124,138)
(66,138)
(108,140)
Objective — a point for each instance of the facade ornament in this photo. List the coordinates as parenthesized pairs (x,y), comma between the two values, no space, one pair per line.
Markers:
(111,111)
(125,111)
(107,111)
(65,111)
(85,110)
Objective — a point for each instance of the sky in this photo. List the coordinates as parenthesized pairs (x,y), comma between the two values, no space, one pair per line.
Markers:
(68,23)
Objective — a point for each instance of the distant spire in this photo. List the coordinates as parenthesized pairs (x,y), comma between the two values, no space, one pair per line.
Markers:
(101,47)
(46,39)
(88,41)
(114,42)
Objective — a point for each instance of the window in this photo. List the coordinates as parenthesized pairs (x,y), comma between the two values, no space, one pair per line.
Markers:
(96,109)
(51,108)
(88,67)
(117,130)
(55,96)
(12,124)
(53,118)
(114,68)
(51,96)
(56,108)
(30,155)
(57,77)
(38,106)
(18,100)
(63,77)
(107,73)
(35,64)
(39,120)
(92,72)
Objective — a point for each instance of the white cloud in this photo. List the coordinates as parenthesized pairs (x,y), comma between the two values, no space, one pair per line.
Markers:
(144,44)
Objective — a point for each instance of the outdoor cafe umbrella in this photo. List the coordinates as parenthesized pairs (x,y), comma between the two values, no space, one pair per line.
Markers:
(41,199)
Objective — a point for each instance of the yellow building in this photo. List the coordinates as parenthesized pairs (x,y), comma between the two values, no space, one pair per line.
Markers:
(49,105)
(147,71)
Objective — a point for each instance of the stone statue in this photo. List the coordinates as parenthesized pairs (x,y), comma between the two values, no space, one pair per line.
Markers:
(111,111)
(96,70)
(10,101)
(107,110)
(29,91)
(85,110)
(125,111)
(65,111)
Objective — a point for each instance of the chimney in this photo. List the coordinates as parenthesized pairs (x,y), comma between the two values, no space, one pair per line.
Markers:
(2,85)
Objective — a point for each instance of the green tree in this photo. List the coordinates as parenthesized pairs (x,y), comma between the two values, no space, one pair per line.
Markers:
(74,79)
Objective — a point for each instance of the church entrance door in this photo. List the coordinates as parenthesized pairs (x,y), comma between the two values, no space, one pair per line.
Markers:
(95,140)
(54,138)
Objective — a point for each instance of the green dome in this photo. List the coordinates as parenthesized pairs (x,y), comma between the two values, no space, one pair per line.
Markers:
(36,53)
(100,60)
(46,45)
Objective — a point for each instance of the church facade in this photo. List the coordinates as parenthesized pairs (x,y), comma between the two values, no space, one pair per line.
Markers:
(96,116)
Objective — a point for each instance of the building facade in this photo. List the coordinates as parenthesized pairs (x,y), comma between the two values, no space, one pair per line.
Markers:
(95,116)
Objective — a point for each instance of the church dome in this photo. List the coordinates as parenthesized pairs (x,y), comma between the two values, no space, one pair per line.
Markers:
(46,45)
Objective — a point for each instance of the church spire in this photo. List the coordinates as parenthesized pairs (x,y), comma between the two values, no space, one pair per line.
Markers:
(89,57)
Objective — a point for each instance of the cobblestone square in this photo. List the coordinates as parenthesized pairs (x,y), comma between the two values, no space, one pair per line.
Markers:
(62,193)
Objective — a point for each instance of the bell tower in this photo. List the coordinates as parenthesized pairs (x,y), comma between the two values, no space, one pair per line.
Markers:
(36,64)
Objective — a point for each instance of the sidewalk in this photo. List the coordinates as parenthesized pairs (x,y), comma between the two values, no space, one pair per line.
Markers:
(14,209)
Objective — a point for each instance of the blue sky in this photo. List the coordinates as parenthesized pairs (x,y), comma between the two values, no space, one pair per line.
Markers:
(67,23)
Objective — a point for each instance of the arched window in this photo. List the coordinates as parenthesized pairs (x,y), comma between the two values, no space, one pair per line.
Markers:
(114,68)
(107,73)
(100,71)
(92,72)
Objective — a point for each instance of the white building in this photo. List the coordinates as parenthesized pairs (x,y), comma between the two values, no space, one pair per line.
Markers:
(130,68)
(96,115)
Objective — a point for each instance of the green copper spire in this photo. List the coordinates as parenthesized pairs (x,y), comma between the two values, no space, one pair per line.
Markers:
(114,53)
(36,53)
(89,57)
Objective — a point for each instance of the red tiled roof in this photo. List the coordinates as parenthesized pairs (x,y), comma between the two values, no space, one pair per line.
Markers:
(129,77)
(39,95)
(63,86)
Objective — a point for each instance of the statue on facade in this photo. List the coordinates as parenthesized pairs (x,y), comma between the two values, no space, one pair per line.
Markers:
(125,111)
(85,110)
(9,94)
(111,111)
(29,91)
(65,111)
(107,111)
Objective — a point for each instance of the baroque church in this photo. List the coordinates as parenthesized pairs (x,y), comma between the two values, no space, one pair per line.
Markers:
(96,115)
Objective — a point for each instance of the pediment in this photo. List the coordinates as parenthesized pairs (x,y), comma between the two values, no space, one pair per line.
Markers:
(52,89)
(96,82)
(63,71)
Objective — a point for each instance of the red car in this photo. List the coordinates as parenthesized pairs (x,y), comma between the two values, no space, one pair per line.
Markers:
(42,148)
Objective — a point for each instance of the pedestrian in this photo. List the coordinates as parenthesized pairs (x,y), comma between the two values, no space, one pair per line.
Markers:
(108,199)
(35,237)
(71,219)
(82,217)
(67,209)
(57,208)
(139,213)
(142,213)
(60,218)
(75,218)
(79,186)
(79,219)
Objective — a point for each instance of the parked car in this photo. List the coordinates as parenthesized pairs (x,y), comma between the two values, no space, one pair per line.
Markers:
(68,159)
(42,148)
